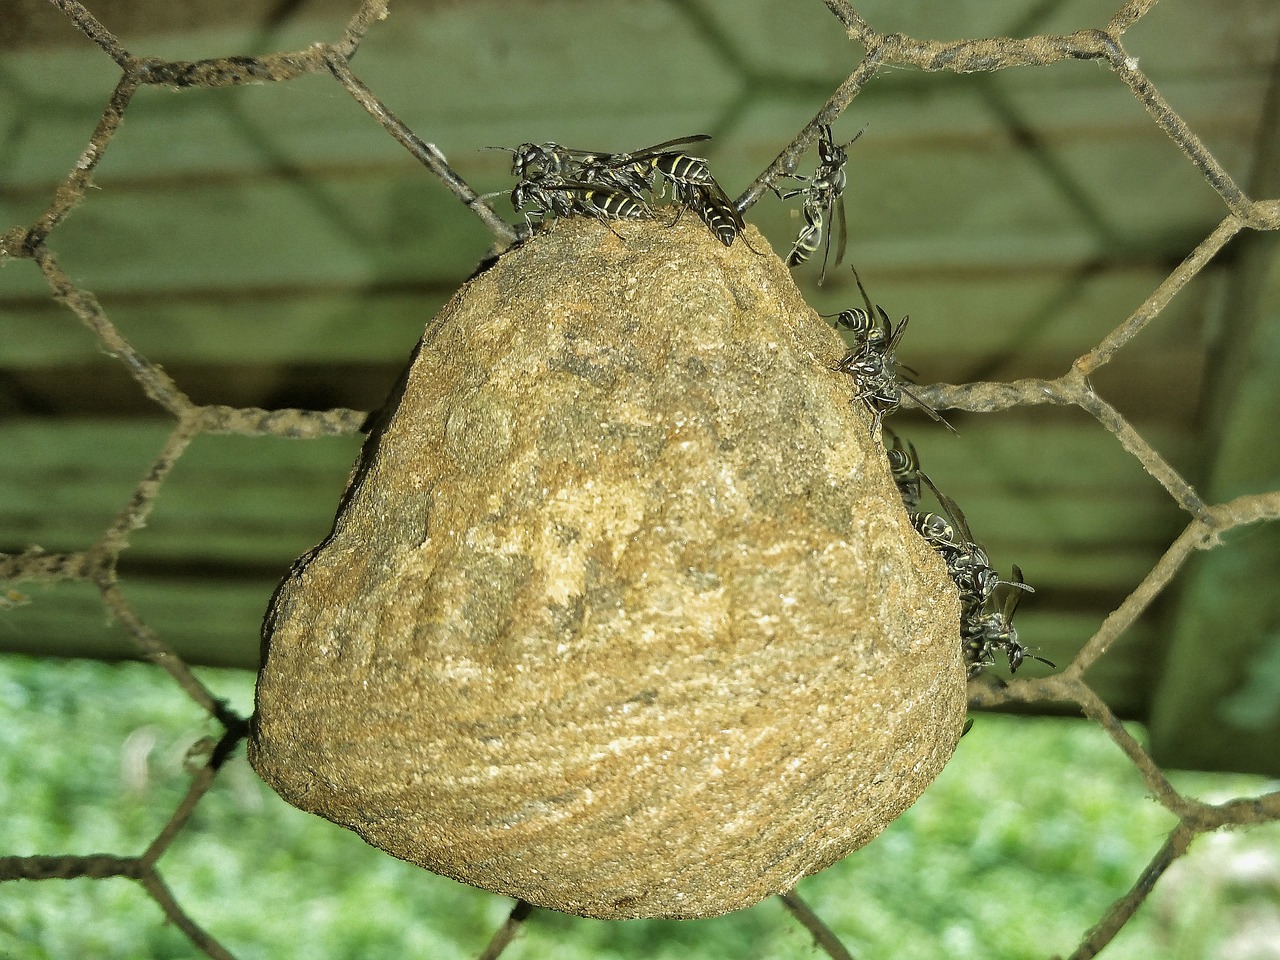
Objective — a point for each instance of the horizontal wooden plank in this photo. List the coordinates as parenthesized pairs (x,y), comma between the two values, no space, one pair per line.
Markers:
(256,500)
(104,389)
(1032,453)
(101,387)
(303,325)
(261,501)
(1043,319)
(35,24)
(496,99)
(217,623)
(271,245)
(294,130)
(1236,35)
(1068,570)
(991,466)
(270,234)
(405,227)
(206,623)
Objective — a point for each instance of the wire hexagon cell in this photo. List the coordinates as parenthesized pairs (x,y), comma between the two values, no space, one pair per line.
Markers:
(621,614)
(1089,231)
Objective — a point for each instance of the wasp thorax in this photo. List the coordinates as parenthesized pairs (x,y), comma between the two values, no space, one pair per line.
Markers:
(622,614)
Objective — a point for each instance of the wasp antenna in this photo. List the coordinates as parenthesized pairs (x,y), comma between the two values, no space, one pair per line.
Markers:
(933,414)
(743,236)
(1018,582)
(863,290)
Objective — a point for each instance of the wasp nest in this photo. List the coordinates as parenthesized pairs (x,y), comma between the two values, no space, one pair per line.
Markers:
(621,613)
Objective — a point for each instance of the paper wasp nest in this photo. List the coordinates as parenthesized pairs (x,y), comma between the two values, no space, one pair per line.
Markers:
(621,614)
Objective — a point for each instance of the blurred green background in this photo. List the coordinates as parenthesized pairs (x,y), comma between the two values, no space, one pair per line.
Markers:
(271,246)
(1031,831)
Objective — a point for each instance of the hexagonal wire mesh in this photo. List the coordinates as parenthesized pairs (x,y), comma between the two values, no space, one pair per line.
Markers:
(96,564)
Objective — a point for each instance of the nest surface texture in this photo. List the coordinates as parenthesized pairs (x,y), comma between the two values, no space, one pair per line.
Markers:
(621,613)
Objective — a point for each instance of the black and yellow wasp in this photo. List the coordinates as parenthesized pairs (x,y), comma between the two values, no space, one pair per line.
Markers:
(556,180)
(822,205)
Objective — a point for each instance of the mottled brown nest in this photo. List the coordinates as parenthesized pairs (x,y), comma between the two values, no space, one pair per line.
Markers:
(622,614)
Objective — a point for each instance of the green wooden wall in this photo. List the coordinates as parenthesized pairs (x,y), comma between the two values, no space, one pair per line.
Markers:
(272,246)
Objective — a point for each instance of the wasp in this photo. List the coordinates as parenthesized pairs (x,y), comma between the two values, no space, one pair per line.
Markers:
(904,465)
(561,198)
(691,185)
(688,175)
(531,161)
(684,172)
(937,531)
(986,624)
(823,203)
(985,632)
(630,173)
(967,560)
(810,236)
(716,210)
(872,360)
(868,330)
(614,178)
(986,614)
(873,365)
(555,180)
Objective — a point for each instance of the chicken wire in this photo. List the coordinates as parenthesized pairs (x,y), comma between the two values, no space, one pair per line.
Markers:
(96,564)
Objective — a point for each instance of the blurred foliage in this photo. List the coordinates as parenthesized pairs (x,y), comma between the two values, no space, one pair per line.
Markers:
(1020,844)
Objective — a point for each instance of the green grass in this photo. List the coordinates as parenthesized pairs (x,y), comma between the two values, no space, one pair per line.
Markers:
(1017,849)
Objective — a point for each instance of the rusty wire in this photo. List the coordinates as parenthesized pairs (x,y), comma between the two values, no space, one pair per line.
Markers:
(96,564)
